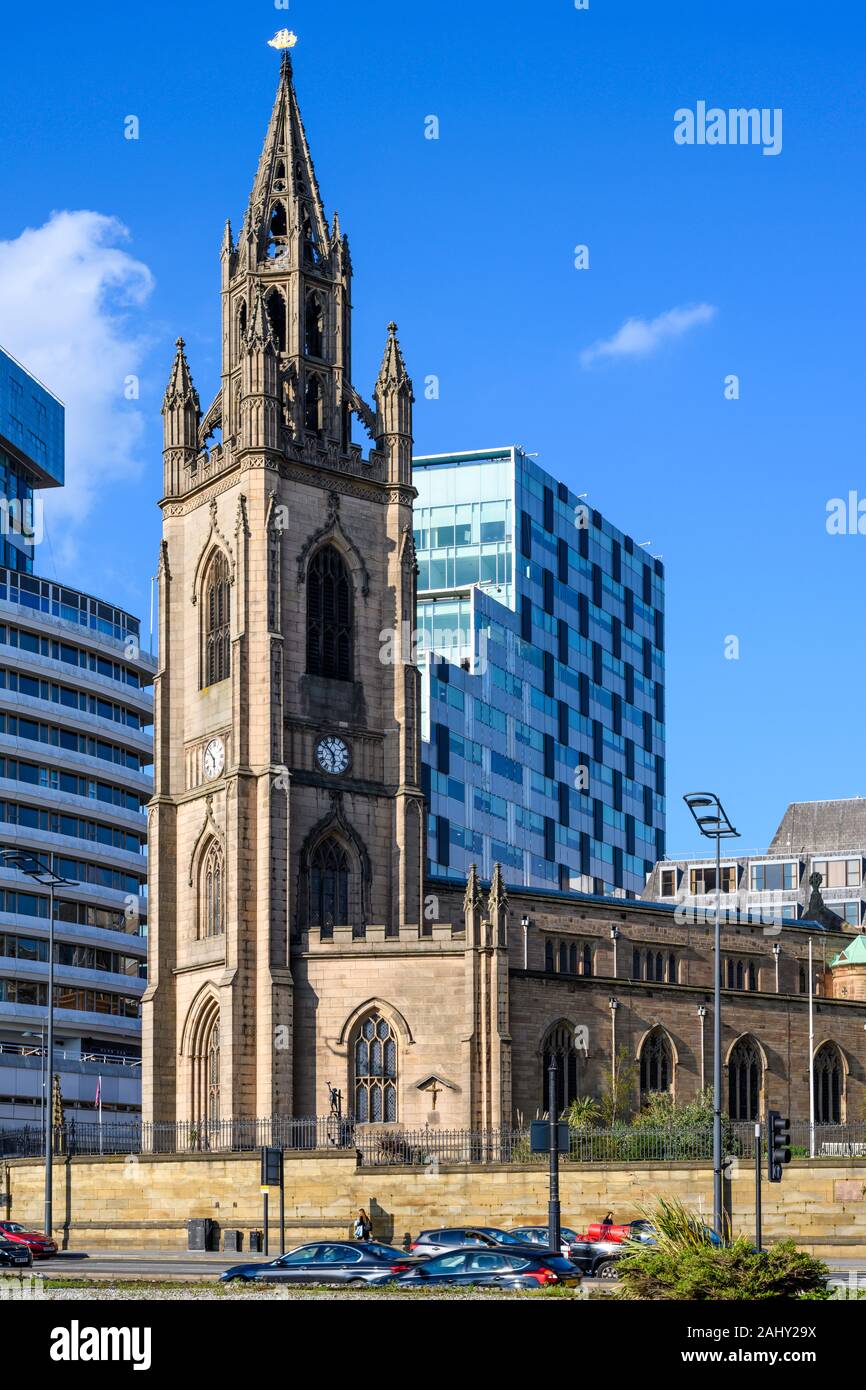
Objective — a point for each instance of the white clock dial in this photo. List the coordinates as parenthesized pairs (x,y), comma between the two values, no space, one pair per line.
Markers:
(332,755)
(214,759)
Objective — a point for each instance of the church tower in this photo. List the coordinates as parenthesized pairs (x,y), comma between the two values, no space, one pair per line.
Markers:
(287,812)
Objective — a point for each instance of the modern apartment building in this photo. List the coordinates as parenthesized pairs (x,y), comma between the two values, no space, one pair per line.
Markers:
(75,757)
(823,837)
(541,633)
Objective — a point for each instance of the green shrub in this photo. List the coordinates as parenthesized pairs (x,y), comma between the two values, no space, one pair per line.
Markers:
(686,1264)
(704,1272)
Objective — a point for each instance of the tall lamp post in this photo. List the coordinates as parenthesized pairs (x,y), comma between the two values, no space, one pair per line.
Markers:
(40,871)
(713,823)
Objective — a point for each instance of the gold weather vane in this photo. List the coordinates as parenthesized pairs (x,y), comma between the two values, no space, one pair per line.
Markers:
(283,38)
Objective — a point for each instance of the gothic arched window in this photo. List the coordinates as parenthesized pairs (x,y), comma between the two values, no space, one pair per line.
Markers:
(314,404)
(310,239)
(375,1068)
(203,1051)
(559,1043)
(242,318)
(329,616)
(587,960)
(635,964)
(314,325)
(672,969)
(656,1063)
(216,654)
(548,957)
(213,1074)
(563,958)
(751,976)
(572,959)
(276,310)
(211,893)
(329,886)
(829,1084)
(745,1080)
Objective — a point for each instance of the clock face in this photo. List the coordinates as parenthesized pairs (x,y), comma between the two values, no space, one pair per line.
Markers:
(214,759)
(332,755)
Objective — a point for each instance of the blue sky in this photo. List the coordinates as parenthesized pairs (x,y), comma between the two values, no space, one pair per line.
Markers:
(556,129)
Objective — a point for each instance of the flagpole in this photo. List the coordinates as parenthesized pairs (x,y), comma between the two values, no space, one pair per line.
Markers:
(99,1101)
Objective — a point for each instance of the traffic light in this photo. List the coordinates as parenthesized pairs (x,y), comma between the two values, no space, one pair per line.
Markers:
(778,1139)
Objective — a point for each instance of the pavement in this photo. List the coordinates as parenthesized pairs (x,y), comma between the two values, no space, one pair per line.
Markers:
(181,1265)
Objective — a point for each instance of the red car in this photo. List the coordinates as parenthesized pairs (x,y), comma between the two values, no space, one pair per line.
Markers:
(40,1246)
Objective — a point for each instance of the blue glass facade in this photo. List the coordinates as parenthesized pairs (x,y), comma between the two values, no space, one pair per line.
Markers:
(31,456)
(541,632)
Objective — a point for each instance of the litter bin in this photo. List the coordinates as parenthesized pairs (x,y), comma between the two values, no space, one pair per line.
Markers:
(233,1241)
(202,1234)
(257,1242)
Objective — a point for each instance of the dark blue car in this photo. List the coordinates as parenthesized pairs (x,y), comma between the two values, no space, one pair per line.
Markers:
(14,1256)
(497,1268)
(349,1262)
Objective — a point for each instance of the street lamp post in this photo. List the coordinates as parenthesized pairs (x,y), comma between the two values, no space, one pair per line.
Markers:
(702,1015)
(713,823)
(41,871)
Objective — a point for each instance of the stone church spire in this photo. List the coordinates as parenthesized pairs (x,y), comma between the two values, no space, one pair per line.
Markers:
(181,412)
(285,199)
(394,400)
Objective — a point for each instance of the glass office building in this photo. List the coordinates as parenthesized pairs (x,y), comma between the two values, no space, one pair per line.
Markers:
(541,641)
(31,457)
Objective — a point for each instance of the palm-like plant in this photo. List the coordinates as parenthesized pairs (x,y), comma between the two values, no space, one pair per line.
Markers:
(584,1112)
(676,1228)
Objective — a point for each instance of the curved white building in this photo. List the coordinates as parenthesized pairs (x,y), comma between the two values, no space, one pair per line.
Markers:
(75,776)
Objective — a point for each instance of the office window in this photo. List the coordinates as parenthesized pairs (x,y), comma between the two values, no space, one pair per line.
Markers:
(773,878)
(838,873)
(703,878)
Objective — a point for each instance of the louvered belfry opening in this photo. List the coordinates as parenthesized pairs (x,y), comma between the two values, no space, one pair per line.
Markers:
(329,616)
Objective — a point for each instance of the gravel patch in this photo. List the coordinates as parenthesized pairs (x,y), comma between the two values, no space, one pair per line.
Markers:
(186,1293)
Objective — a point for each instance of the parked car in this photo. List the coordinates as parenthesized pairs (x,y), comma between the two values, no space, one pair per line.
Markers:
(14,1256)
(597,1259)
(497,1268)
(326,1262)
(39,1245)
(538,1235)
(462,1237)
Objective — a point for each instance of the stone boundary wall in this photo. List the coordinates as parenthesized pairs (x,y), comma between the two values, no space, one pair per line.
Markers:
(145,1202)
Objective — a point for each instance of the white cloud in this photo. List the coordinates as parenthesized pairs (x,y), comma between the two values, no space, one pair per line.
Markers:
(66,292)
(640,337)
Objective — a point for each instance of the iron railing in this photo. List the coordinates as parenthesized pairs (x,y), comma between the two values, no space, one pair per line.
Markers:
(375,1146)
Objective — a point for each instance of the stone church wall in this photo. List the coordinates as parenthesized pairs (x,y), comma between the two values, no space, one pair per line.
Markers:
(146,1202)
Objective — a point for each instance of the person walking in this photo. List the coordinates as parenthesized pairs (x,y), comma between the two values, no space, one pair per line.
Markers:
(363,1226)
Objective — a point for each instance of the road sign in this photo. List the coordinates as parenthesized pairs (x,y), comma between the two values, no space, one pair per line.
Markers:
(539,1137)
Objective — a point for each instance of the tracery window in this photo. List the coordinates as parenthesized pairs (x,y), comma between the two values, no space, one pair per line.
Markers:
(375,1070)
(216,613)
